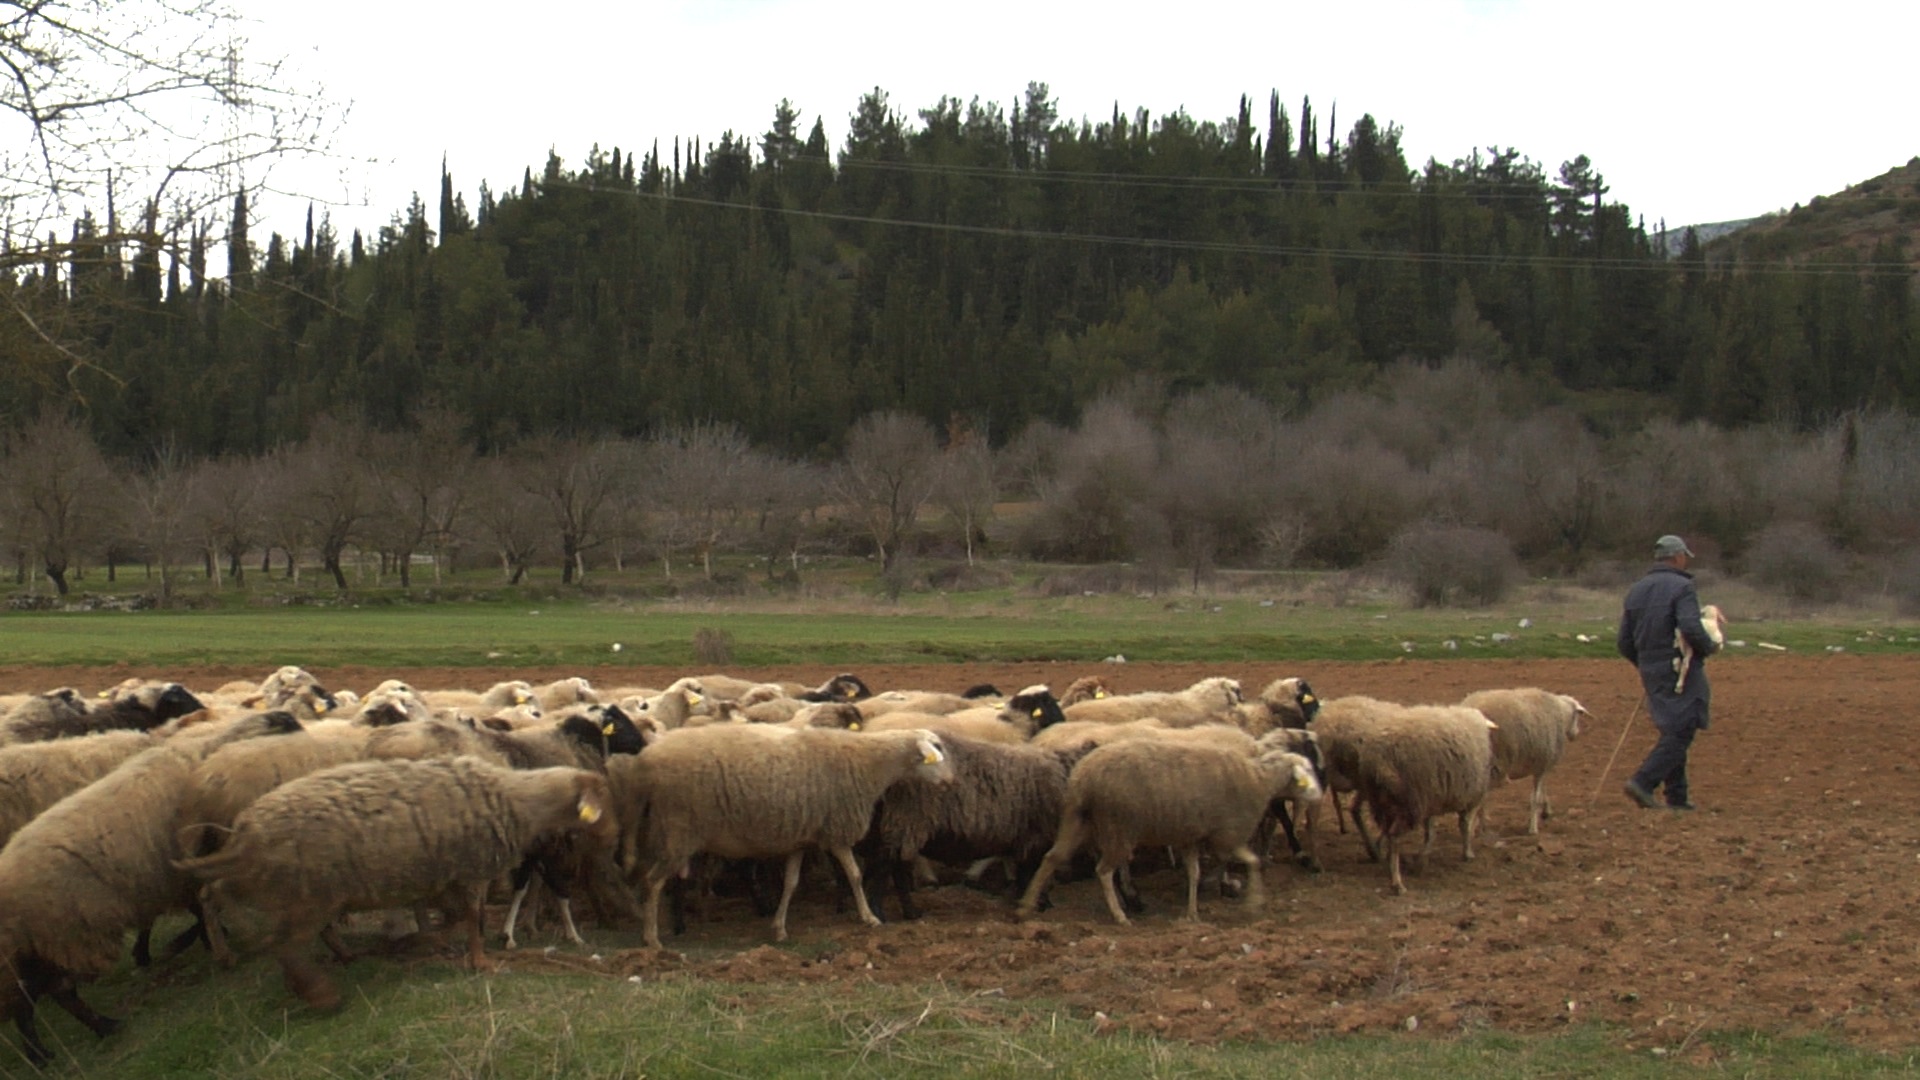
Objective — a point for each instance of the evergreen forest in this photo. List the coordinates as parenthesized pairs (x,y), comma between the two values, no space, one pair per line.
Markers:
(999,276)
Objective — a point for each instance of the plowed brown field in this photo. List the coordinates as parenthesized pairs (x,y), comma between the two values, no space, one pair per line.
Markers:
(1786,904)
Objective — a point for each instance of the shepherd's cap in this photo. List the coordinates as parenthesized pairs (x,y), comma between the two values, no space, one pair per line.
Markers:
(1670,545)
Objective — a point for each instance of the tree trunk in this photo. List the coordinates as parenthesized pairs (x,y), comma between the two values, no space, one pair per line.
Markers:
(331,557)
(58,575)
(405,559)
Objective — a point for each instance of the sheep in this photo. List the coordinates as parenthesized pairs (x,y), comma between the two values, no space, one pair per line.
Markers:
(146,706)
(391,703)
(494,700)
(1532,728)
(1338,725)
(1084,735)
(1286,811)
(845,686)
(1209,700)
(76,878)
(1026,713)
(34,776)
(1001,802)
(1180,794)
(1714,622)
(1084,688)
(1411,763)
(670,709)
(561,693)
(377,835)
(742,792)
(921,702)
(58,706)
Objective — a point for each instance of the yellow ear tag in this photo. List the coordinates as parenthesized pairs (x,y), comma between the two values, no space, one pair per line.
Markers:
(1038,713)
(853,727)
(607,731)
(1098,694)
(104,694)
(521,697)
(693,698)
(589,813)
(929,758)
(321,706)
(1306,699)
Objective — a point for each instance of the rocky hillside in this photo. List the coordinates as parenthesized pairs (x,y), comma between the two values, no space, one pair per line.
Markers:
(1883,210)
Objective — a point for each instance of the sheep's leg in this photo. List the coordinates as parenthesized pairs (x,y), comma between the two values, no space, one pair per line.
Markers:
(1360,826)
(566,921)
(23,1019)
(1426,842)
(1392,841)
(184,939)
(901,875)
(1104,871)
(1540,807)
(216,934)
(331,935)
(1256,883)
(513,911)
(656,881)
(1466,834)
(68,998)
(293,939)
(1130,893)
(143,947)
(787,886)
(472,910)
(850,867)
(1065,843)
(1191,858)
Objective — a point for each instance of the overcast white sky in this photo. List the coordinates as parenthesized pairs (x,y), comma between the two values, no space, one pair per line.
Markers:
(1693,111)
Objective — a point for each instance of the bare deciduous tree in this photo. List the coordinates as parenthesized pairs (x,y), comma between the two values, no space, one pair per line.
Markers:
(969,485)
(698,486)
(422,478)
(577,479)
(891,469)
(62,491)
(505,516)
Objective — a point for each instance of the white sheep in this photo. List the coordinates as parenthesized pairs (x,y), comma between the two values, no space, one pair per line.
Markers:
(376,835)
(1532,728)
(1183,795)
(1207,701)
(752,791)
(1412,763)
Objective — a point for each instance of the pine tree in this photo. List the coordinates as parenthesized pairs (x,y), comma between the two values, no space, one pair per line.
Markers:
(239,252)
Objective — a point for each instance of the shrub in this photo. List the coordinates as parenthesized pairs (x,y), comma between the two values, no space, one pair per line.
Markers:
(712,646)
(1796,558)
(1452,565)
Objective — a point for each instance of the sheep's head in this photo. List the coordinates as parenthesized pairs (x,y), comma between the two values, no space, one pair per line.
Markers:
(1035,707)
(1222,691)
(1084,688)
(1293,700)
(981,690)
(834,714)
(591,803)
(1575,711)
(933,756)
(1297,778)
(170,701)
(621,734)
(847,686)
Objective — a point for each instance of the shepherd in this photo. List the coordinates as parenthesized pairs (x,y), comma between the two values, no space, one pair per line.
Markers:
(1663,607)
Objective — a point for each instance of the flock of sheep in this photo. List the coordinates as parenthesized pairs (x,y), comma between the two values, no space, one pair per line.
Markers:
(284,807)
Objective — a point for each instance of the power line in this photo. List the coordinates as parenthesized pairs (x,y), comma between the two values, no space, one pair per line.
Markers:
(1226,247)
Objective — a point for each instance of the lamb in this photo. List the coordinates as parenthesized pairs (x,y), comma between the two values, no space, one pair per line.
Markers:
(96,864)
(1714,622)
(1001,802)
(1209,700)
(142,708)
(60,706)
(1412,763)
(377,835)
(1183,795)
(1531,731)
(744,792)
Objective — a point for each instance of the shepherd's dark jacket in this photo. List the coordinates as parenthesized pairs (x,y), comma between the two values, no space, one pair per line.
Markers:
(1656,606)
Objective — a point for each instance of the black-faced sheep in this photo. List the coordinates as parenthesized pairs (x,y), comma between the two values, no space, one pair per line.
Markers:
(96,864)
(143,707)
(1183,795)
(377,835)
(1532,728)
(748,791)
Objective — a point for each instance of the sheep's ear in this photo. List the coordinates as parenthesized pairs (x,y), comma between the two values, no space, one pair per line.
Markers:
(693,698)
(1098,694)
(930,752)
(521,697)
(588,809)
(1038,712)
(855,726)
(607,729)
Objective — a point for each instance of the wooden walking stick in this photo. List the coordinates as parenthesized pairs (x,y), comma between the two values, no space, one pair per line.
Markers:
(1628,726)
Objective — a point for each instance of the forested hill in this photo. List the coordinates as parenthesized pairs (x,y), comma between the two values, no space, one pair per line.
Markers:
(970,265)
